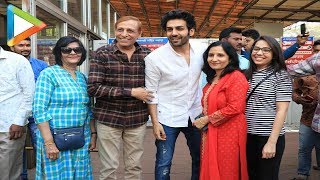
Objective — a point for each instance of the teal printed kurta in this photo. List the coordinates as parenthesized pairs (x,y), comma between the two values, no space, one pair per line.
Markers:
(63,102)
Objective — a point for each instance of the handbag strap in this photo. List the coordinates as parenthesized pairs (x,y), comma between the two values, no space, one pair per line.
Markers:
(265,78)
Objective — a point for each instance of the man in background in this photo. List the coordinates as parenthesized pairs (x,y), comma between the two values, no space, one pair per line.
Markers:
(24,48)
(305,92)
(250,35)
(233,36)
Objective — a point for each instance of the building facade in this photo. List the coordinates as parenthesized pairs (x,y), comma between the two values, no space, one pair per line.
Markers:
(87,20)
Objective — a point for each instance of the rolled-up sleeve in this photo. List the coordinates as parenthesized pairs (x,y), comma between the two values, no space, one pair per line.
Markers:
(43,92)
(153,76)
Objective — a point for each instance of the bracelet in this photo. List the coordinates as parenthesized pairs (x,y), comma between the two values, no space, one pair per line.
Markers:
(93,133)
(48,143)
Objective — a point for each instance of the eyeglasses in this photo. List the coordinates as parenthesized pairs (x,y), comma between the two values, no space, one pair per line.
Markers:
(265,50)
(67,50)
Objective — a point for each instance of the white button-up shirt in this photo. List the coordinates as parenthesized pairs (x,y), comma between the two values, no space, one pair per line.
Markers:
(175,84)
(16,90)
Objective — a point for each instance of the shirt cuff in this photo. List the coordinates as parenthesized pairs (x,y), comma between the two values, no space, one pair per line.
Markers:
(154,100)
(19,122)
(127,91)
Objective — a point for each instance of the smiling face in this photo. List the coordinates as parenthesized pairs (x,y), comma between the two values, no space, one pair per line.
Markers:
(72,58)
(218,59)
(178,33)
(262,54)
(127,32)
(23,48)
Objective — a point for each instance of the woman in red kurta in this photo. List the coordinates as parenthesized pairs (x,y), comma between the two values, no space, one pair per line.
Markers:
(223,155)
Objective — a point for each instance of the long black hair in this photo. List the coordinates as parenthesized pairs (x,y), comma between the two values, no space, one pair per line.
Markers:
(277,62)
(233,60)
(63,42)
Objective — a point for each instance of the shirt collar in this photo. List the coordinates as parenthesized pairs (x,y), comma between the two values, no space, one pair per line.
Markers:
(115,47)
(31,60)
(3,54)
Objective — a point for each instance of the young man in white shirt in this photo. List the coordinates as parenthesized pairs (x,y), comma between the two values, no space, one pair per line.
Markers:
(16,95)
(37,65)
(172,74)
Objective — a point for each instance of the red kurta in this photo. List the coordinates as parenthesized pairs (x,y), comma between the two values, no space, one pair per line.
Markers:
(224,144)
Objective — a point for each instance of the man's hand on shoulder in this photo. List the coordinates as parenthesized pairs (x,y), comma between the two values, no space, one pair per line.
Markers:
(142,94)
(15,131)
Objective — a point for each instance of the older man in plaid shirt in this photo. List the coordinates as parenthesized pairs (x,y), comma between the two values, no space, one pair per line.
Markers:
(117,79)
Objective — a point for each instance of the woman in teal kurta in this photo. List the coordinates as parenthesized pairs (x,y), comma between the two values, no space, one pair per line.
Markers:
(61,101)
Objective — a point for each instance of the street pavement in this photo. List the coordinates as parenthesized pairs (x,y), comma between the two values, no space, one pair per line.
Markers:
(181,165)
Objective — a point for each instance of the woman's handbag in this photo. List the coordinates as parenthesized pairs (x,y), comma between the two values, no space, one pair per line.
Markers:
(316,125)
(69,138)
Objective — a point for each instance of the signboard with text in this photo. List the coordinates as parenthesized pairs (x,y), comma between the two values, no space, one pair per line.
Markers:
(150,42)
(303,52)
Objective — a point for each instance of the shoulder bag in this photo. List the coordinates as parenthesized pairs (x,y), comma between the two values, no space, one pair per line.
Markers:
(69,138)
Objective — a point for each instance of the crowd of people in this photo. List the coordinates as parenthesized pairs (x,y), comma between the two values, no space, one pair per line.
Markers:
(234,127)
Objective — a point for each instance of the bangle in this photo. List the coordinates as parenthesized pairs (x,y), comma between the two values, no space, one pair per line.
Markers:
(48,143)
(93,133)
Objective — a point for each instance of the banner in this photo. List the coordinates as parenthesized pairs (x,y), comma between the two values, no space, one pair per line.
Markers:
(150,42)
(303,52)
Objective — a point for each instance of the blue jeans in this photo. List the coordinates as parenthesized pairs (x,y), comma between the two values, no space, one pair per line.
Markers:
(307,140)
(32,127)
(165,150)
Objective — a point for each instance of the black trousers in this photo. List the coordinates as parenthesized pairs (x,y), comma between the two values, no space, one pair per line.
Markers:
(263,169)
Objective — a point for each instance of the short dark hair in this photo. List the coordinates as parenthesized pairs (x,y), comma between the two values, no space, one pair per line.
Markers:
(254,34)
(225,33)
(233,60)
(63,42)
(316,43)
(277,62)
(27,39)
(178,14)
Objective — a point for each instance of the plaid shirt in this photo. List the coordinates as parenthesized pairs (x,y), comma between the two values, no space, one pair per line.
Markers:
(309,66)
(111,78)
